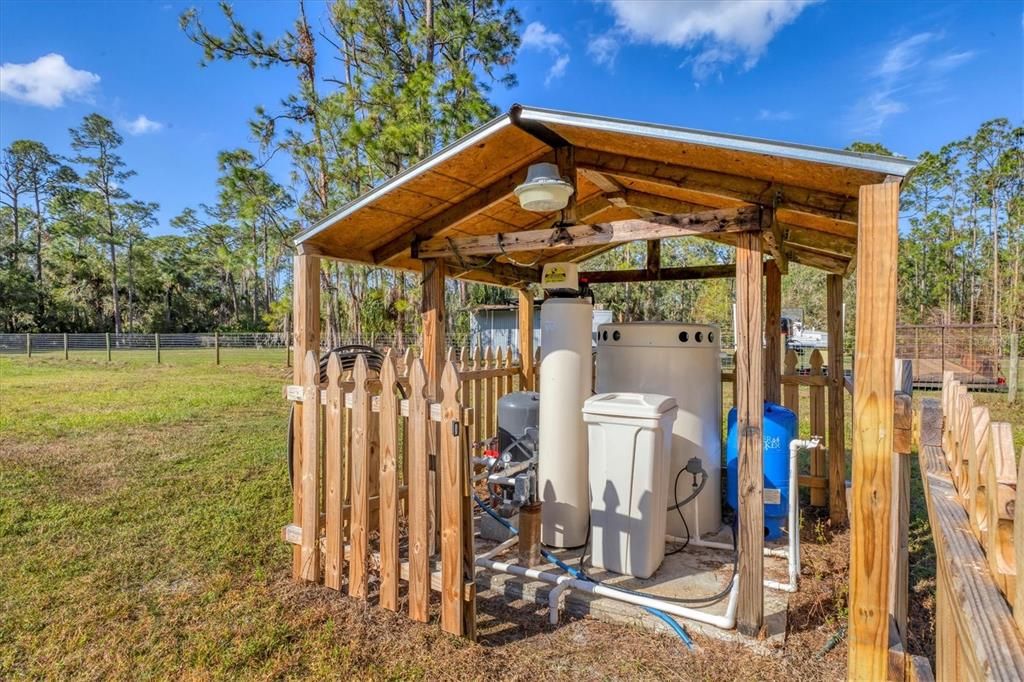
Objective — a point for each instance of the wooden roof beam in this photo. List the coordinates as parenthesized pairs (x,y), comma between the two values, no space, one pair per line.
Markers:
(829,263)
(616,232)
(715,184)
(505,272)
(469,207)
(663,275)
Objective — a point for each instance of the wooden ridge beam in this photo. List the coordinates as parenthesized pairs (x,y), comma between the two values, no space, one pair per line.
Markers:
(615,232)
(471,206)
(662,275)
(716,185)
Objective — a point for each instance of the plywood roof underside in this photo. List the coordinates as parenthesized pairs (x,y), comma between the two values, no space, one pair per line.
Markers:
(624,170)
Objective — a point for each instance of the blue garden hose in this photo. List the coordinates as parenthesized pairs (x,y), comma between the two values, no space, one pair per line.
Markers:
(576,573)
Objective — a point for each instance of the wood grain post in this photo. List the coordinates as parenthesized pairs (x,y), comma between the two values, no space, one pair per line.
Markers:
(65,346)
(750,424)
(306,321)
(836,440)
(216,346)
(433,316)
(525,340)
(873,406)
(108,345)
(772,332)
(156,345)
(28,345)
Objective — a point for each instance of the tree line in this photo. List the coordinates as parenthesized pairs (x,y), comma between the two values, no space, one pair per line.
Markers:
(377,86)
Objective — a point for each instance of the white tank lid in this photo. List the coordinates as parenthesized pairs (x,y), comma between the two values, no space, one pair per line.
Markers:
(639,405)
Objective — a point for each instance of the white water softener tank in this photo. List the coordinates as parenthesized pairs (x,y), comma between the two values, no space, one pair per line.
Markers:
(682,361)
(566,369)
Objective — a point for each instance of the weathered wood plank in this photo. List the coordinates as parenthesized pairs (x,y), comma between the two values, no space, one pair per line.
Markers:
(974,621)
(1003,495)
(597,234)
(717,271)
(772,332)
(750,425)
(310,427)
(452,485)
(334,476)
(875,345)
(418,482)
(389,486)
(306,337)
(525,315)
(433,318)
(819,498)
(836,401)
(360,455)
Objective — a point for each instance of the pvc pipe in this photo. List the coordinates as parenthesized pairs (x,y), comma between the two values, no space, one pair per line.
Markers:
(553,599)
(725,622)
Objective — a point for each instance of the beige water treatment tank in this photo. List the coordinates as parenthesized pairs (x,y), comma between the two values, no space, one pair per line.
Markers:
(566,369)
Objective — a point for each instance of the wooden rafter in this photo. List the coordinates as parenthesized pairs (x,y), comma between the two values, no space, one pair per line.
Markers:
(822,261)
(715,184)
(715,271)
(615,232)
(469,207)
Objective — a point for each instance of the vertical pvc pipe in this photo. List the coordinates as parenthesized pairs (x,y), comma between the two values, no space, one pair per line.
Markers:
(28,345)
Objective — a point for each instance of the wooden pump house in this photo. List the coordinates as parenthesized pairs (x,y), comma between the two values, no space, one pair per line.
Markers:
(454,215)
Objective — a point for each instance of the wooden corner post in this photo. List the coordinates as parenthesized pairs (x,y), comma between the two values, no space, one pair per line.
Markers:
(750,424)
(525,340)
(433,316)
(836,439)
(306,333)
(873,407)
(773,332)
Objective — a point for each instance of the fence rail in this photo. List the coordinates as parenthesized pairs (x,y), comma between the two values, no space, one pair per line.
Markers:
(971,482)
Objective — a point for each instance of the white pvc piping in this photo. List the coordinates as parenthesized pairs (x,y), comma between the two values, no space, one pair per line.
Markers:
(495,551)
(564,582)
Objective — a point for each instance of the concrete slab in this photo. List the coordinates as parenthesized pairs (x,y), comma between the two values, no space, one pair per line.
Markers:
(694,572)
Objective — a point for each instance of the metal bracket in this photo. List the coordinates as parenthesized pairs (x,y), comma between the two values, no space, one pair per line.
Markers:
(560,235)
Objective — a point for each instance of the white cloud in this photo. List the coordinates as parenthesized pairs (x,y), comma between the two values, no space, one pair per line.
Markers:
(537,37)
(603,49)
(46,82)
(772,115)
(724,31)
(557,69)
(907,68)
(142,125)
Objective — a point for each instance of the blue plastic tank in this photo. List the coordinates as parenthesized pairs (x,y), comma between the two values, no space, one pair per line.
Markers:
(779,430)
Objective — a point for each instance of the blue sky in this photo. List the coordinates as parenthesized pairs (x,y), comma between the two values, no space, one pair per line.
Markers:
(910,75)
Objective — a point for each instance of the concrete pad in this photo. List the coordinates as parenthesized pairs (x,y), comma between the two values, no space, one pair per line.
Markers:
(694,572)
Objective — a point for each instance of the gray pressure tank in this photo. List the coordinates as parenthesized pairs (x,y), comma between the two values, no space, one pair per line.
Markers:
(517,412)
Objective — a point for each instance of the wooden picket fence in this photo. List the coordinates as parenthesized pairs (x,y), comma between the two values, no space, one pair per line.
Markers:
(971,481)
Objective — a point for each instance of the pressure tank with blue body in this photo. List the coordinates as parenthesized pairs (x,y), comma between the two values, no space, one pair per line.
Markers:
(780,426)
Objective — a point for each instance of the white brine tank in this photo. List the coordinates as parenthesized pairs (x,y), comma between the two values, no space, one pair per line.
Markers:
(682,361)
(566,369)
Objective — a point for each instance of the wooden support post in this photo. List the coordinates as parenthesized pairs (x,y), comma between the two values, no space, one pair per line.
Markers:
(873,406)
(750,422)
(654,259)
(565,157)
(772,332)
(287,349)
(28,345)
(108,346)
(306,321)
(433,316)
(1014,372)
(525,341)
(216,346)
(65,346)
(836,440)
(309,475)
(156,345)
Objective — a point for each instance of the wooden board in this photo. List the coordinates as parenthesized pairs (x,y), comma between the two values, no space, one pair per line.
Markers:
(615,232)
(773,332)
(452,485)
(418,482)
(306,337)
(836,401)
(334,470)
(359,523)
(750,426)
(310,428)
(525,316)
(389,415)
(872,496)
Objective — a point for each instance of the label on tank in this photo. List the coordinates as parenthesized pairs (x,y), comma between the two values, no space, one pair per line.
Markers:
(772,496)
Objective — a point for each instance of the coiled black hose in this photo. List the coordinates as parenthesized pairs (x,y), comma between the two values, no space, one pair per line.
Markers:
(347,355)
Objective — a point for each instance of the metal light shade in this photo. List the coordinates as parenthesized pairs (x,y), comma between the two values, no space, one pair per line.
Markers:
(543,190)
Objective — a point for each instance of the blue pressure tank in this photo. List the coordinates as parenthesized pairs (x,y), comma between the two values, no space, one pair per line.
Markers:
(779,430)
